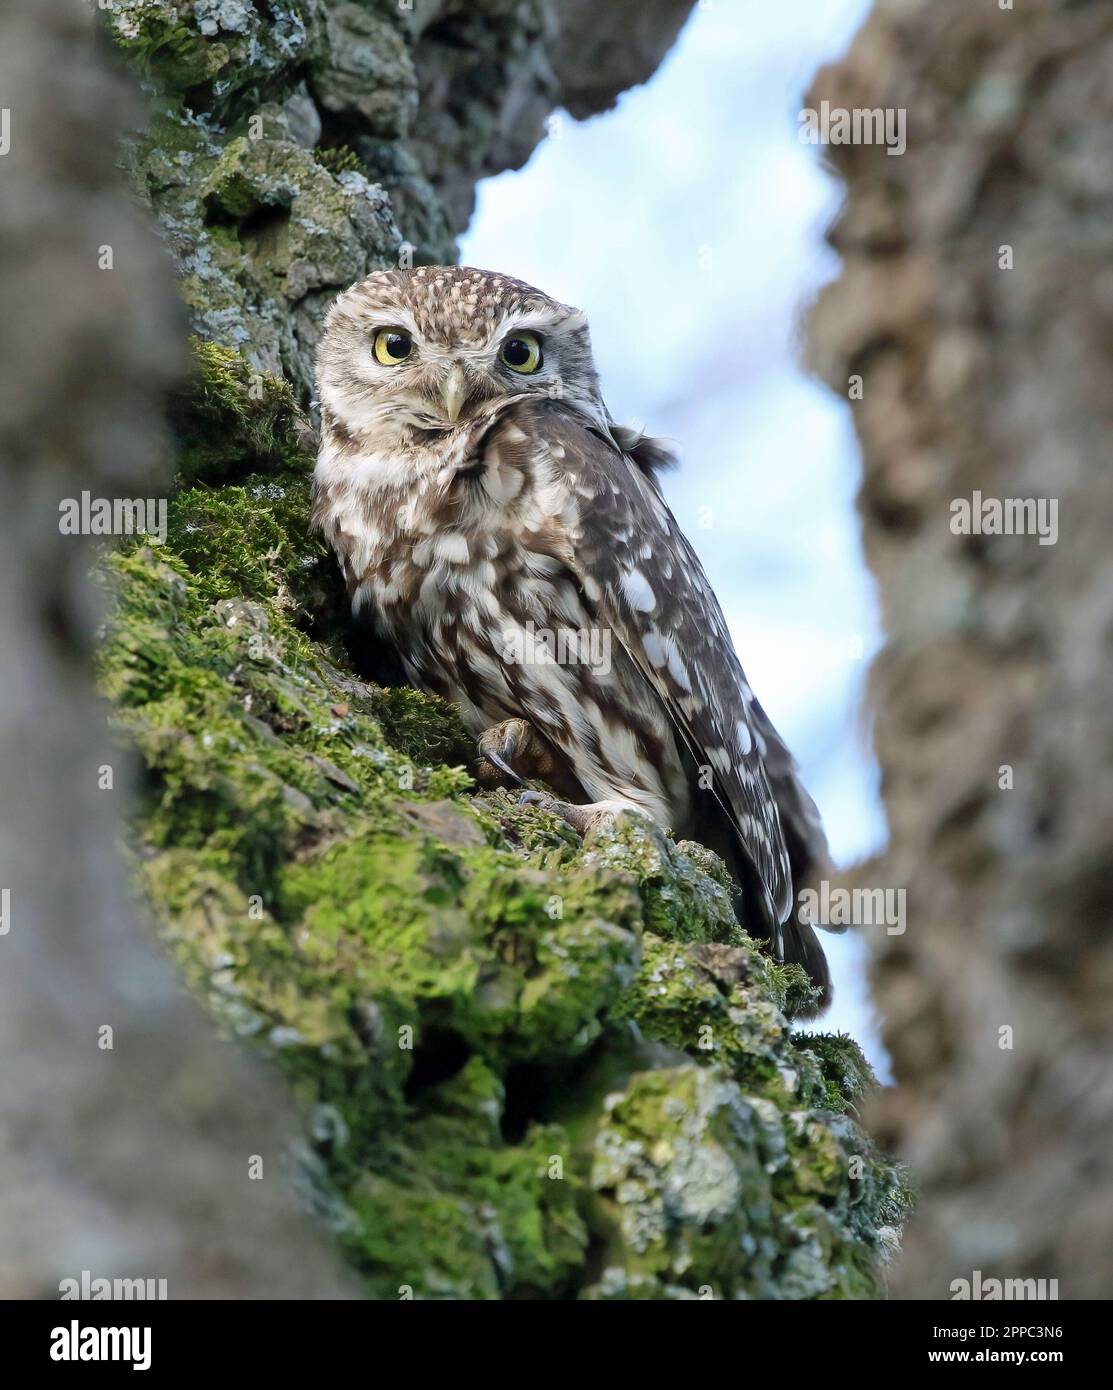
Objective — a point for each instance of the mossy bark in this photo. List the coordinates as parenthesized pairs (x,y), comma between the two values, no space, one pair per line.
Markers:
(529,1066)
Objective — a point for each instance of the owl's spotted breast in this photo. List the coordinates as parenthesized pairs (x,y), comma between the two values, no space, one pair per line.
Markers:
(470,576)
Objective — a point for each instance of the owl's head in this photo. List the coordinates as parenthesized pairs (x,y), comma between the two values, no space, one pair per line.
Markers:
(409,351)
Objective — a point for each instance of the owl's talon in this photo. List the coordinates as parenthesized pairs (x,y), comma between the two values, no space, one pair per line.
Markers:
(511,754)
(545,801)
(497,760)
(584,820)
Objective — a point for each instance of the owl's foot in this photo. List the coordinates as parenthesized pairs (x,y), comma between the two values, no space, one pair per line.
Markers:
(596,815)
(511,753)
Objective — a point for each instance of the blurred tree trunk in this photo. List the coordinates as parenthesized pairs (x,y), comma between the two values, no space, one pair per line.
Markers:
(130,1160)
(976,304)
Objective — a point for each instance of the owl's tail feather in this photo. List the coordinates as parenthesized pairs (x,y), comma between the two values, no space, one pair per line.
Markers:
(801,947)
(794,942)
(752,907)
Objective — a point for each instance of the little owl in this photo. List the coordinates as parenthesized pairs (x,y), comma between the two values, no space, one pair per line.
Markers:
(512,543)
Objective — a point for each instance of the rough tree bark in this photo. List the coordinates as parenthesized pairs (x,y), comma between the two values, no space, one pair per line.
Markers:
(130,1161)
(976,302)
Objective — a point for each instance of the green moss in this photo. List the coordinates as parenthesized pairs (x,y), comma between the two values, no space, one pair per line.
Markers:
(683,886)
(712,1003)
(338,159)
(249,541)
(686,1170)
(847,1077)
(422,727)
(231,420)
(158,41)
(463,940)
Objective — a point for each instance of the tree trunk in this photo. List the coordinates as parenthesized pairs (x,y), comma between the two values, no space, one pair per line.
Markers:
(976,305)
(126,1128)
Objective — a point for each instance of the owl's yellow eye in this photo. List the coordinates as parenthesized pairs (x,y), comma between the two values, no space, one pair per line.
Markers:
(392,346)
(522,353)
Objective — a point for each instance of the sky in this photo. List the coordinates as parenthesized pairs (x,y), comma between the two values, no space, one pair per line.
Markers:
(688,222)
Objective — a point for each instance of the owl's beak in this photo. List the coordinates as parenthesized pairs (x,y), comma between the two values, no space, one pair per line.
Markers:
(455,391)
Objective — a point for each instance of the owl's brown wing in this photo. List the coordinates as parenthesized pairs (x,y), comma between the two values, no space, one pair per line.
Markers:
(640,575)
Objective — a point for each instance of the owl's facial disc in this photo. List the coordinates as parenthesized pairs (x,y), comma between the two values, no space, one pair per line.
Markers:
(407,354)
(435,382)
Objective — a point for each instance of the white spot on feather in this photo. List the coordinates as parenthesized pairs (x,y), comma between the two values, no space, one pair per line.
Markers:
(720,758)
(654,648)
(591,588)
(452,546)
(638,592)
(677,670)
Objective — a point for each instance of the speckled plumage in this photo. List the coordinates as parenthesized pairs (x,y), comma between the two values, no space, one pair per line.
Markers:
(523,508)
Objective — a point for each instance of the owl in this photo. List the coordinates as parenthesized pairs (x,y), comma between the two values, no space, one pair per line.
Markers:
(512,543)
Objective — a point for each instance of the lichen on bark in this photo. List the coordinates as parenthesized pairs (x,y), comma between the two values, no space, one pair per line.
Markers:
(529,1066)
